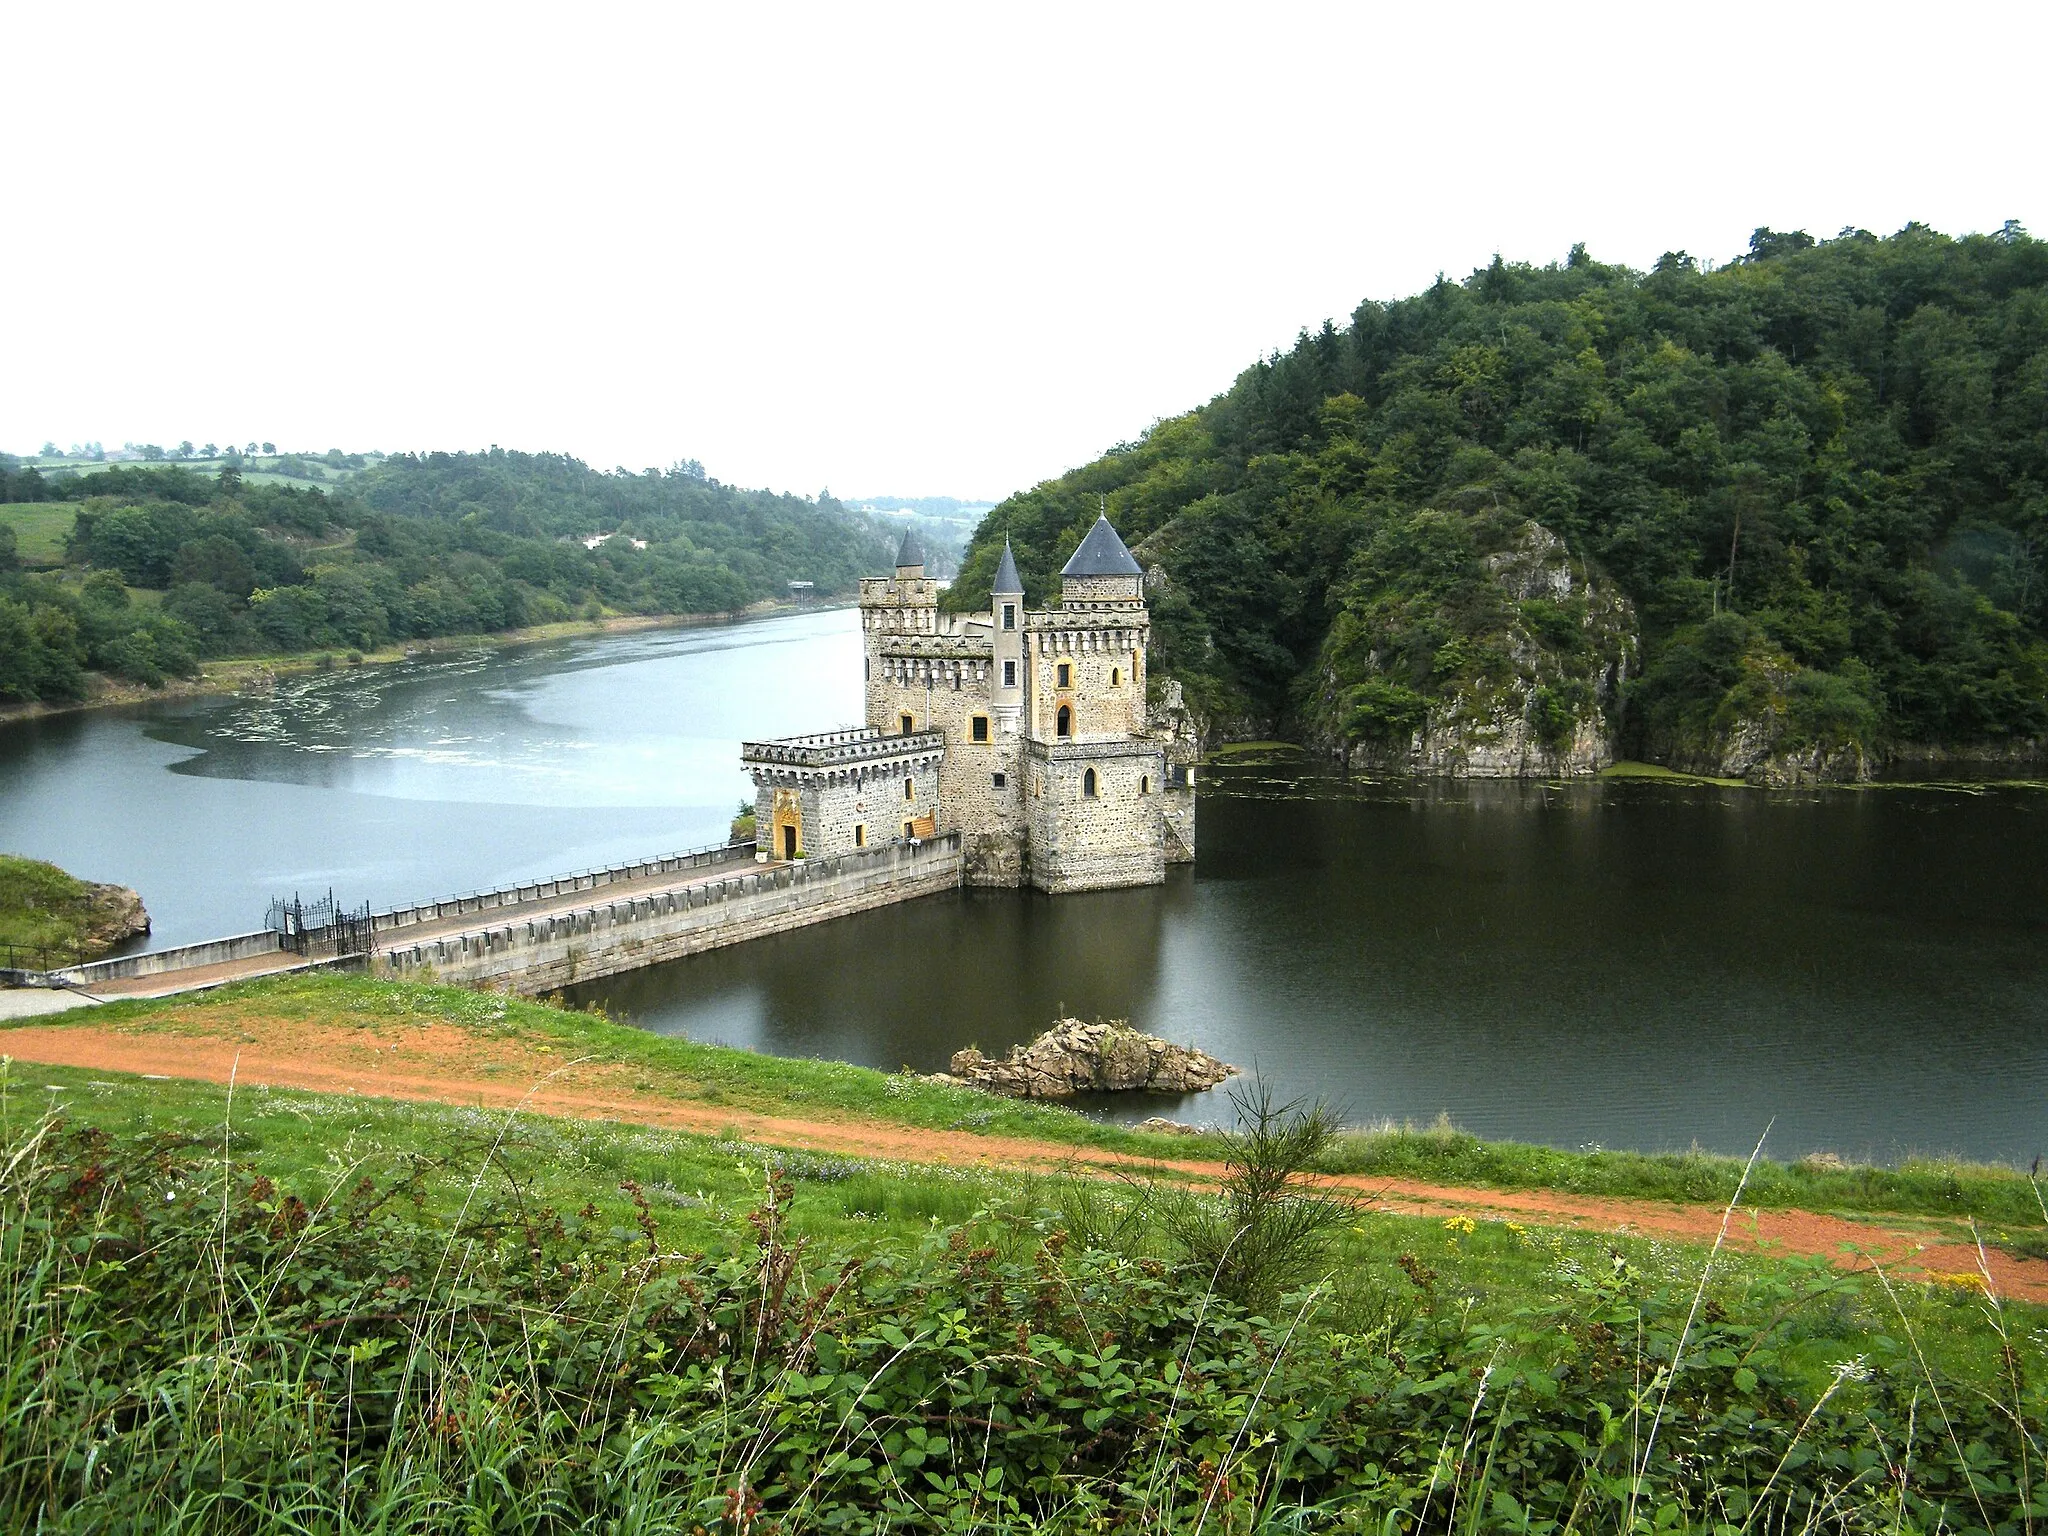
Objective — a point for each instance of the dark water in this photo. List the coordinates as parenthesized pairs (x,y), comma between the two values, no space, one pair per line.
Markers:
(1629,963)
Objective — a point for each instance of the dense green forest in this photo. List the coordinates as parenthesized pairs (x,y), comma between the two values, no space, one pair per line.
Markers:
(1817,477)
(164,567)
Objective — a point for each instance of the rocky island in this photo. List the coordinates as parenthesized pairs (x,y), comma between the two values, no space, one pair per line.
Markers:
(1077,1057)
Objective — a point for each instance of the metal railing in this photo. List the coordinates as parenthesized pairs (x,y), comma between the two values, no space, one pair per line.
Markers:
(39,957)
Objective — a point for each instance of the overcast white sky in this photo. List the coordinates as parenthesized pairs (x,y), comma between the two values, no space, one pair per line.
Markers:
(946,250)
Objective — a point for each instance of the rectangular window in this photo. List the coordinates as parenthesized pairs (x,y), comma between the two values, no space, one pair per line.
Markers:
(909,725)
(860,834)
(1066,675)
(999,779)
(1009,615)
(979,728)
(910,829)
(1009,674)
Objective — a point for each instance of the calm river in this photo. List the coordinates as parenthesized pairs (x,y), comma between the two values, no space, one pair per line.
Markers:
(1627,963)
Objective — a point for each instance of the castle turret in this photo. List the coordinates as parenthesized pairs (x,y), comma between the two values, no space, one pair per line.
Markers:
(910,558)
(1006,616)
(1101,569)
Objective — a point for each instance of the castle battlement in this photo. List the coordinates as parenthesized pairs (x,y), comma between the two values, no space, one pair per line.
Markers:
(1024,730)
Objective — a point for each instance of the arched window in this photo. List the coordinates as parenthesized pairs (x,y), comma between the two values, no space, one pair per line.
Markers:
(1063,725)
(1116,677)
(1145,785)
(910,789)
(1088,783)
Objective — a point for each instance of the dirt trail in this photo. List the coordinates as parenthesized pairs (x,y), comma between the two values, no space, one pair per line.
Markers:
(445,1064)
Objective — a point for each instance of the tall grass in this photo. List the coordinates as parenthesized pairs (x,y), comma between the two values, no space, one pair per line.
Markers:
(185,1345)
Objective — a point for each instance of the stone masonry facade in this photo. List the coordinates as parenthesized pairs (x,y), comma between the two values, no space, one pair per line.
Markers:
(1026,731)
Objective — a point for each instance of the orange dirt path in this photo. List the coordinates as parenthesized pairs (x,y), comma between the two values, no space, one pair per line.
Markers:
(444,1064)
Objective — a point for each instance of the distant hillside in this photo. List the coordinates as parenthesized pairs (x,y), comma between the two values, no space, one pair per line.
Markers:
(1783,518)
(943,525)
(162,566)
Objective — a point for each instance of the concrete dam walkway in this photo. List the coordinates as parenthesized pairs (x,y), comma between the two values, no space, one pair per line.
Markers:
(539,936)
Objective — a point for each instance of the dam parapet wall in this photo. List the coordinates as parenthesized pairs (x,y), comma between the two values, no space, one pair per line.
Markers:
(545,952)
(390,926)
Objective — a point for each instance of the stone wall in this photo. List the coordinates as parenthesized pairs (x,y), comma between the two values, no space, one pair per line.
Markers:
(1117,836)
(400,918)
(542,954)
(1105,681)
(831,814)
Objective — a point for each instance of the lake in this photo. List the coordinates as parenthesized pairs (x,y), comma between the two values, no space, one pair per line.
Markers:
(1627,963)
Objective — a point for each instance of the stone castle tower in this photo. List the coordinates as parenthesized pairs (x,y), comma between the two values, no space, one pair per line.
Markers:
(1025,730)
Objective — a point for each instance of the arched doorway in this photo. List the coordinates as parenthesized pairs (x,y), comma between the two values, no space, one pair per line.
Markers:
(787,821)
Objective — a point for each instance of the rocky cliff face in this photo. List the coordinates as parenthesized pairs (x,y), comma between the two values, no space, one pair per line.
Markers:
(117,916)
(1778,726)
(1074,1057)
(1525,668)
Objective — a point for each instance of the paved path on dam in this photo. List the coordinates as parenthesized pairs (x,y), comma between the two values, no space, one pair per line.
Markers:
(454,926)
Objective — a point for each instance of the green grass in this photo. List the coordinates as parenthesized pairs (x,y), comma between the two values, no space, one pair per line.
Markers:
(1633,770)
(2004,1199)
(40,529)
(43,908)
(272,1310)
(708,1074)
(1940,1187)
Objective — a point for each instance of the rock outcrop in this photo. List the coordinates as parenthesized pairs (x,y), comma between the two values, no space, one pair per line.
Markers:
(1774,729)
(1526,670)
(117,916)
(1075,1057)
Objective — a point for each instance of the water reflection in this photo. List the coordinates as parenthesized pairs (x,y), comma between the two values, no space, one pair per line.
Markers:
(909,985)
(1623,963)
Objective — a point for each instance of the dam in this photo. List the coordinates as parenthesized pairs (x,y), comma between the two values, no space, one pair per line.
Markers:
(542,935)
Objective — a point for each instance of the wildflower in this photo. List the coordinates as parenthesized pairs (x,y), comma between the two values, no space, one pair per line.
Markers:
(1960,1282)
(1461,1224)
(1852,1370)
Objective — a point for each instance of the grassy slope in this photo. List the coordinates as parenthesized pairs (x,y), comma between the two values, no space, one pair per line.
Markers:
(699,1188)
(778,1085)
(41,906)
(40,528)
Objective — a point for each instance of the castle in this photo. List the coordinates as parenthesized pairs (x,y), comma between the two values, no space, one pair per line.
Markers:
(1025,730)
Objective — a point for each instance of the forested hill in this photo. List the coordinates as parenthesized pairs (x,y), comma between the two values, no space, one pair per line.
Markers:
(1795,504)
(162,567)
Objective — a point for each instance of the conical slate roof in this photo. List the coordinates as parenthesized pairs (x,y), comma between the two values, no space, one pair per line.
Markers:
(1102,553)
(1007,579)
(911,552)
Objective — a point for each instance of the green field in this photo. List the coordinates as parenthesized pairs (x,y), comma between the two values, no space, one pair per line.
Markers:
(2005,1199)
(40,528)
(256,470)
(267,1310)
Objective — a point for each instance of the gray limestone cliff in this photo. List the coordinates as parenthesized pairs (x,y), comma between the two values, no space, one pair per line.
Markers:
(1514,669)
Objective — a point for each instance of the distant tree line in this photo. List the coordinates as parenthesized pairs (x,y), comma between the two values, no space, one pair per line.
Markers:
(1822,469)
(414,547)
